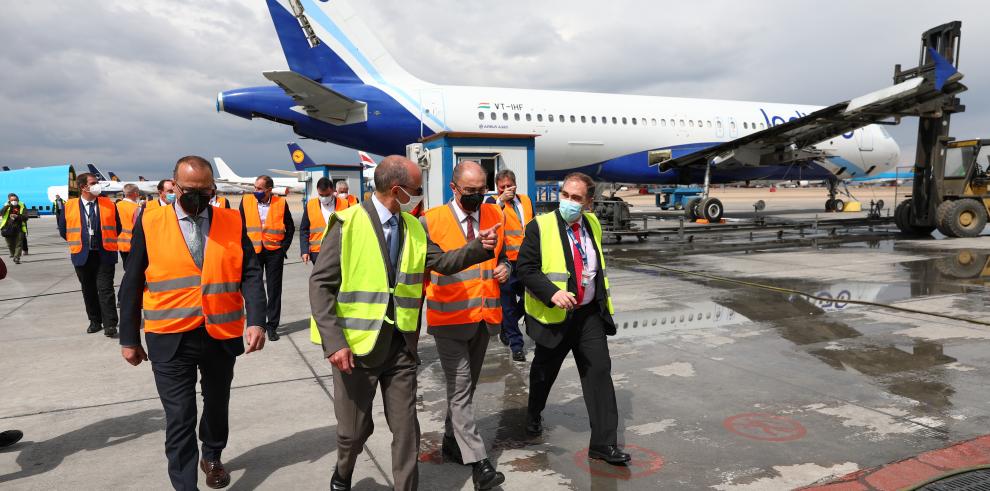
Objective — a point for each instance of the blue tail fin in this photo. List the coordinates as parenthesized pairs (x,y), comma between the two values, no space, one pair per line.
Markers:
(943,69)
(93,170)
(300,159)
(113,177)
(5,168)
(319,63)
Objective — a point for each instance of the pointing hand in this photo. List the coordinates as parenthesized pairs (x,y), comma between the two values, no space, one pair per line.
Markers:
(489,237)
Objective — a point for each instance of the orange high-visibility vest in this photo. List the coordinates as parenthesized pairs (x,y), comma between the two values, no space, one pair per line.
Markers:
(73,224)
(351,201)
(273,232)
(515,226)
(155,203)
(221,202)
(126,210)
(317,225)
(472,295)
(178,296)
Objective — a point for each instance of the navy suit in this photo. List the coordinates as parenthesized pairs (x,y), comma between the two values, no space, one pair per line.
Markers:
(95,269)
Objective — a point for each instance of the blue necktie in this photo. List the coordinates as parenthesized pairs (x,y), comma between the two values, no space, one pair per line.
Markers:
(393,240)
(94,225)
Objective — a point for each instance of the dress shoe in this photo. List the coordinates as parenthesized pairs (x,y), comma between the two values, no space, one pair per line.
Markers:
(338,483)
(110,331)
(94,327)
(10,437)
(450,451)
(216,476)
(273,335)
(519,355)
(17,260)
(534,425)
(609,453)
(485,476)
(503,338)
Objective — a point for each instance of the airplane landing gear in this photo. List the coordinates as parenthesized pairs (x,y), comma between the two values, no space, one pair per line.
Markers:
(711,209)
(833,203)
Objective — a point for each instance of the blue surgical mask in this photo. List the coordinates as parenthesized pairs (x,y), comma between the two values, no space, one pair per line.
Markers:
(570,211)
(259,195)
(170,198)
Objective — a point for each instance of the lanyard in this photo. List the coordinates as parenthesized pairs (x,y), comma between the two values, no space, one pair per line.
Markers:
(580,248)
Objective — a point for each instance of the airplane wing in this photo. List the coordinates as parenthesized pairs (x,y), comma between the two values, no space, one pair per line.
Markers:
(794,141)
(319,101)
(283,172)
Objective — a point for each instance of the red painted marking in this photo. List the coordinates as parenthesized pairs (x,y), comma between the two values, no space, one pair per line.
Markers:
(644,462)
(901,475)
(765,427)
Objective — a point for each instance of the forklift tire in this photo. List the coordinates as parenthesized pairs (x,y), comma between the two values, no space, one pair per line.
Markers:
(964,264)
(830,205)
(964,218)
(711,210)
(691,210)
(902,217)
(942,219)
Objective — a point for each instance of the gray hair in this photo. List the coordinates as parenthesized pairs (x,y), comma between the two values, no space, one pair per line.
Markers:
(505,174)
(342,183)
(131,188)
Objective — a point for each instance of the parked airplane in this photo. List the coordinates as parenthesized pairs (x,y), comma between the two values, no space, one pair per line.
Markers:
(283,185)
(343,87)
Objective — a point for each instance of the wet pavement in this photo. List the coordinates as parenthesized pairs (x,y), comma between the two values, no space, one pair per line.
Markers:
(720,384)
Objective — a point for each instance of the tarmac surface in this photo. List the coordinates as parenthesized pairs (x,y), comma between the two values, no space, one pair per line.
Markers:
(721,383)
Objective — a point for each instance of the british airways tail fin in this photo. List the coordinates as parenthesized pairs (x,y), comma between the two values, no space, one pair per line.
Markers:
(366,161)
(300,159)
(327,42)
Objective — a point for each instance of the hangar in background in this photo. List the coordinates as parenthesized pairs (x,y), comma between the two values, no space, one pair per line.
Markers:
(37,186)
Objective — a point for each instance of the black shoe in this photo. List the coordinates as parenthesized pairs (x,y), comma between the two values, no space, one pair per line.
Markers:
(273,335)
(610,454)
(485,476)
(503,338)
(338,483)
(110,331)
(450,451)
(518,355)
(17,260)
(10,437)
(94,327)
(534,425)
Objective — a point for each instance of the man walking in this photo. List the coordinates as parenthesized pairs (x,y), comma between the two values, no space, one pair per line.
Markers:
(366,294)
(269,226)
(90,225)
(193,271)
(13,224)
(127,209)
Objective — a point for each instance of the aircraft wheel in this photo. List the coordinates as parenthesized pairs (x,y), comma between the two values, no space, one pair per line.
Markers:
(711,210)
(839,205)
(964,218)
(691,210)
(830,205)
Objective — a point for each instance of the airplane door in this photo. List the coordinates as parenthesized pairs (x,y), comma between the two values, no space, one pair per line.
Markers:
(431,115)
(719,129)
(865,138)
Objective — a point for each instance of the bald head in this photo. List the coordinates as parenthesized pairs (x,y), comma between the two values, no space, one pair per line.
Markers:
(468,171)
(395,170)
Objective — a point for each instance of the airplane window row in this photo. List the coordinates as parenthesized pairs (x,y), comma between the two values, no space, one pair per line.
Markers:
(494,116)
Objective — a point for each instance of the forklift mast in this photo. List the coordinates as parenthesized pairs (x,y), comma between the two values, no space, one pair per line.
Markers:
(933,124)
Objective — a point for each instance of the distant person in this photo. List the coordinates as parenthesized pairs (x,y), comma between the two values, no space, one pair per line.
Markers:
(518,211)
(127,210)
(569,310)
(166,194)
(90,225)
(195,275)
(219,201)
(343,196)
(270,227)
(58,206)
(13,226)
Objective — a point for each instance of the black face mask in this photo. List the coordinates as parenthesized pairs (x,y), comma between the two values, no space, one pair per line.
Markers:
(194,203)
(471,202)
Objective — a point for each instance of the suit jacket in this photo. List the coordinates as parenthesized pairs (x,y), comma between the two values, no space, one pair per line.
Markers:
(324,283)
(290,228)
(162,347)
(79,258)
(529,271)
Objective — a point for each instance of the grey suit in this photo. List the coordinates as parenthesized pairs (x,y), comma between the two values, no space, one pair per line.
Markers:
(391,363)
(462,351)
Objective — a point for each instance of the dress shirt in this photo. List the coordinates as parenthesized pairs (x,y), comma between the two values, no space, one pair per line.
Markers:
(462,218)
(328,210)
(383,215)
(96,212)
(263,209)
(186,226)
(591,270)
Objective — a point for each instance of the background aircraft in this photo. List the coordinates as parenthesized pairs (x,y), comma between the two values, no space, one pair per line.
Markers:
(283,185)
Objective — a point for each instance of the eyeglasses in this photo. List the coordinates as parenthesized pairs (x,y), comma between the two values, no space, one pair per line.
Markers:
(203,191)
(416,192)
(481,190)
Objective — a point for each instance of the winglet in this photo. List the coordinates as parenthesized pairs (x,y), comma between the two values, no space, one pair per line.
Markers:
(943,69)
(300,159)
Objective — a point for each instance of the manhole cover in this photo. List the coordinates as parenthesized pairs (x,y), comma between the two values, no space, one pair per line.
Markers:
(978,480)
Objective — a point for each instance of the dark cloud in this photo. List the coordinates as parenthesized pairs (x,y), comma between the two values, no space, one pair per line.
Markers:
(131,85)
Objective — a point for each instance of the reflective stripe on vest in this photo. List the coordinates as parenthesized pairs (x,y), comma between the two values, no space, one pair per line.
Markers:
(515,226)
(314,211)
(362,301)
(6,216)
(74,229)
(126,210)
(471,295)
(271,234)
(180,297)
(554,266)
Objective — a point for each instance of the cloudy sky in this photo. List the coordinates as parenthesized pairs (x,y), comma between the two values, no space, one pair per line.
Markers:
(131,86)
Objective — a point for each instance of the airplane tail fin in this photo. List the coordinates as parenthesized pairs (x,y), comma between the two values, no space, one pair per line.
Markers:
(346,51)
(366,161)
(141,179)
(92,169)
(113,177)
(300,159)
(224,170)
(5,168)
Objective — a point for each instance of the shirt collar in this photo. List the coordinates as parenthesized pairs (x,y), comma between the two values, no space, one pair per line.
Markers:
(461,215)
(180,213)
(86,201)
(384,214)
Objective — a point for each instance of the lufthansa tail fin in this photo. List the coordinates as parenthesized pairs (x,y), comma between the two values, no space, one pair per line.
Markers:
(300,159)
(113,177)
(99,175)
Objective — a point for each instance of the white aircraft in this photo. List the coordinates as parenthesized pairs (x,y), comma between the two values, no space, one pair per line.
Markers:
(283,185)
(113,184)
(343,87)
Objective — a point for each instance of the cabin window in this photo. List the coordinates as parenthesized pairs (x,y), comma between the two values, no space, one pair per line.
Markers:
(691,123)
(529,117)
(624,120)
(663,122)
(550,117)
(653,122)
(594,119)
(634,121)
(732,125)
(762,126)
(682,123)
(708,124)
(615,120)
(584,119)
(505,116)
(494,117)
(572,118)
(481,115)
(516,116)
(745,126)
(718,124)
(539,117)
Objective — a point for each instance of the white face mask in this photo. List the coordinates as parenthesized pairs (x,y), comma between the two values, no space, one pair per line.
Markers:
(342,195)
(413,202)
(95,188)
(13,202)
(326,200)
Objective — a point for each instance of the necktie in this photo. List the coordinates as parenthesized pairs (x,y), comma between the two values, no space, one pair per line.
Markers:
(578,263)
(92,224)
(470,227)
(393,240)
(194,240)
